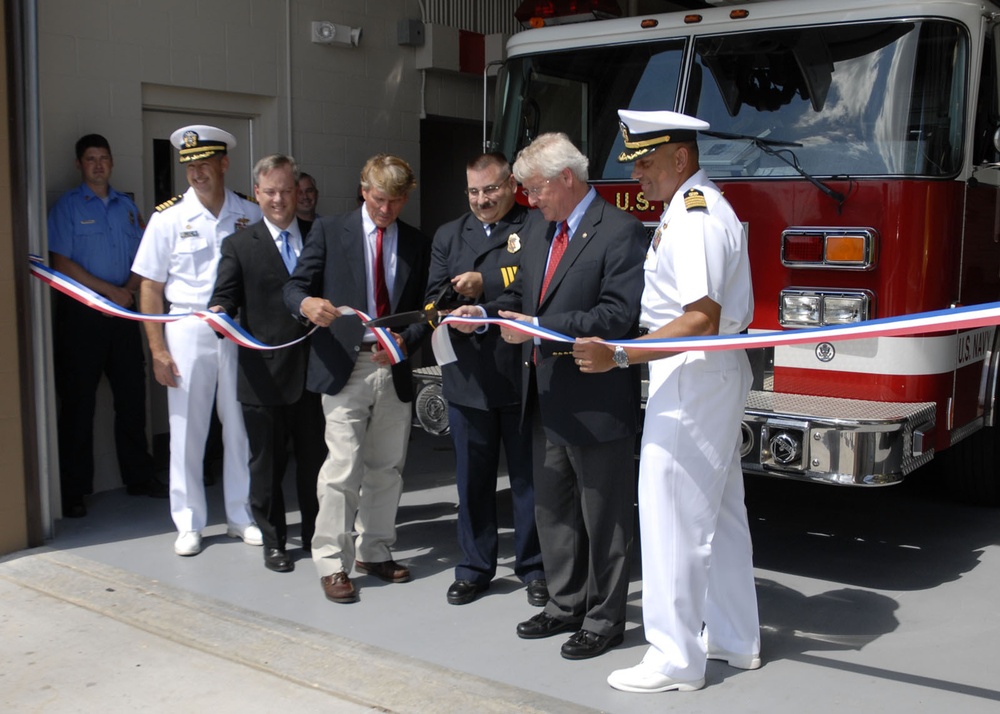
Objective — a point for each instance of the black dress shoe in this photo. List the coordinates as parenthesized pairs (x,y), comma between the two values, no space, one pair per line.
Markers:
(544,625)
(463,592)
(538,592)
(277,559)
(585,644)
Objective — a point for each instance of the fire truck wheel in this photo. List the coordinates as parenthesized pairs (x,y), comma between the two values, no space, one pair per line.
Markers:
(971,467)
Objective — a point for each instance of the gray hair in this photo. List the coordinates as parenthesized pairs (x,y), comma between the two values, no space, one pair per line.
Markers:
(274,161)
(547,156)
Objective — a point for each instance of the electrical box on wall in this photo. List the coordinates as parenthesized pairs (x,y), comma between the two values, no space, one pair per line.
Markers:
(409,33)
(440,49)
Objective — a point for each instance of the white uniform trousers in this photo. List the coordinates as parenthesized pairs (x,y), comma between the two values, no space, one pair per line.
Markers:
(207,368)
(697,562)
(359,485)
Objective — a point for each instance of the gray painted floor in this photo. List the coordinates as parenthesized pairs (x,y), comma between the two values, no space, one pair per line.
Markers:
(876,600)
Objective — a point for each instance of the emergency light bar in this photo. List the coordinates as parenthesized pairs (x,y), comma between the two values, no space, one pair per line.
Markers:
(541,13)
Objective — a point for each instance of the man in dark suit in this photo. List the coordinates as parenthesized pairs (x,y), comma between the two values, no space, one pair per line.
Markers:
(477,255)
(580,274)
(253,269)
(370,261)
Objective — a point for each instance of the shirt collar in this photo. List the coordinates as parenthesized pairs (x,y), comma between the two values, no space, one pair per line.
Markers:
(88,192)
(576,215)
(369,225)
(293,229)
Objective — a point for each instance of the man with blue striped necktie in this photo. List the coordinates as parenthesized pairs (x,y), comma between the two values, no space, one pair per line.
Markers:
(253,269)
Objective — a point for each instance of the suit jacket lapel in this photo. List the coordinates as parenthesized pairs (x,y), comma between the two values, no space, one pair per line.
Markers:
(502,230)
(404,262)
(267,250)
(352,243)
(474,236)
(534,288)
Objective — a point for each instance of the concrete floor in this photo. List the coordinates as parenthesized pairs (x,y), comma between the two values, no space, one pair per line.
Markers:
(875,600)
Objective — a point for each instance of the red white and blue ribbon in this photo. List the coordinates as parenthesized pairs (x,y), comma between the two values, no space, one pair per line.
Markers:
(958,318)
(218,321)
(949,320)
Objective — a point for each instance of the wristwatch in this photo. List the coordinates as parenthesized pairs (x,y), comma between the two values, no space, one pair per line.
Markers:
(621,357)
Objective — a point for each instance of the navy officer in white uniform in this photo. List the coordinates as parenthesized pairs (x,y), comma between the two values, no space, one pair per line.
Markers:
(696,553)
(177,261)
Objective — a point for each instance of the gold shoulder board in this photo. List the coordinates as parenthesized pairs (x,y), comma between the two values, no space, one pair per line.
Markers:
(694,199)
(167,204)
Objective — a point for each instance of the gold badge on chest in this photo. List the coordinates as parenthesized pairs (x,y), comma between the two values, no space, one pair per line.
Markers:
(513,243)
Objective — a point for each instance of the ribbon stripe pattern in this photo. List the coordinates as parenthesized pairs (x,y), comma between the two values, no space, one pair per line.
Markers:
(218,321)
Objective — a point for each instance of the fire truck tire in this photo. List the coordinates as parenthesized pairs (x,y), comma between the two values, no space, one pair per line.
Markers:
(973,468)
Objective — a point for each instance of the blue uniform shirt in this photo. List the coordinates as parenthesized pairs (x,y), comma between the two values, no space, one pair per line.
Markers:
(101,239)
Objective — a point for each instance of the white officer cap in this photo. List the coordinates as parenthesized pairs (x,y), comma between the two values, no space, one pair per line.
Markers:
(200,141)
(644,131)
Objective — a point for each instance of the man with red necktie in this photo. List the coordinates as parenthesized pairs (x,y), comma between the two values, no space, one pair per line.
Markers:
(580,274)
(371,261)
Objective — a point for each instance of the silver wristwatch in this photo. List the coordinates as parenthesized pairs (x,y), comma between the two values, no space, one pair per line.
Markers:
(621,357)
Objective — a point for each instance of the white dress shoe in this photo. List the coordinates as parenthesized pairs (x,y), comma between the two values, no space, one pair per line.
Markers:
(188,543)
(249,532)
(642,678)
(740,661)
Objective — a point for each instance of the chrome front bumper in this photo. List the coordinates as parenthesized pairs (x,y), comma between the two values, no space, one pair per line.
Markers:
(838,441)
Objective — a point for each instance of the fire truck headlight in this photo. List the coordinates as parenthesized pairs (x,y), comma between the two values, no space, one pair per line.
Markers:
(844,310)
(811,307)
(800,309)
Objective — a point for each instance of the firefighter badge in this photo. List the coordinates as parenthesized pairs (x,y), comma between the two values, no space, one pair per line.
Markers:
(513,243)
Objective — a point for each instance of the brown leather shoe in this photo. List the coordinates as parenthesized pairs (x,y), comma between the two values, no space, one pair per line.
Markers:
(388,570)
(339,588)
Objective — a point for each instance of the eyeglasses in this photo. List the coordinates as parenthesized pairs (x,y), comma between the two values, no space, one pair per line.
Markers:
(536,191)
(490,190)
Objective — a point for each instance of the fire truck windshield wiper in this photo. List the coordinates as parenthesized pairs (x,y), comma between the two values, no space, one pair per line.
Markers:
(768,147)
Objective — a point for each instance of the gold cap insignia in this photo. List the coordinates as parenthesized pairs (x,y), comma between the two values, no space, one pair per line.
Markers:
(190,139)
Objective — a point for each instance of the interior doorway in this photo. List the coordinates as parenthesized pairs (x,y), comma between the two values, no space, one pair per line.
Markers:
(162,177)
(446,145)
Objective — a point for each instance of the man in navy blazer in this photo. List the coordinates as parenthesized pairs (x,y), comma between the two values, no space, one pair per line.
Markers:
(370,261)
(270,384)
(580,274)
(477,256)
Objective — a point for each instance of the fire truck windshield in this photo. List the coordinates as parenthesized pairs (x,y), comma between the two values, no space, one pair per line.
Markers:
(859,99)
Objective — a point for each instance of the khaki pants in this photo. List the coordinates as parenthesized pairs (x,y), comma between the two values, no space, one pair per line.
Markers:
(367,431)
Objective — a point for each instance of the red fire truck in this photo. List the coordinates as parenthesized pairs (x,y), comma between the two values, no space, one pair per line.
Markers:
(859,142)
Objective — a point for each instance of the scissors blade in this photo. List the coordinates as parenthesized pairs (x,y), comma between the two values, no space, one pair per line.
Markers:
(402,319)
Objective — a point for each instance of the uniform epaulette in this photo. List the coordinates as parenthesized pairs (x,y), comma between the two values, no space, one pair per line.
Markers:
(245,197)
(167,204)
(693,199)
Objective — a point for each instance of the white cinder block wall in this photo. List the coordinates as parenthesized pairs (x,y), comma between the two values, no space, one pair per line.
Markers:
(102,62)
(329,105)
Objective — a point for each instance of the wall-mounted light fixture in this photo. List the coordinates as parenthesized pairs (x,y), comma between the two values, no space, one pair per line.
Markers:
(330,33)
